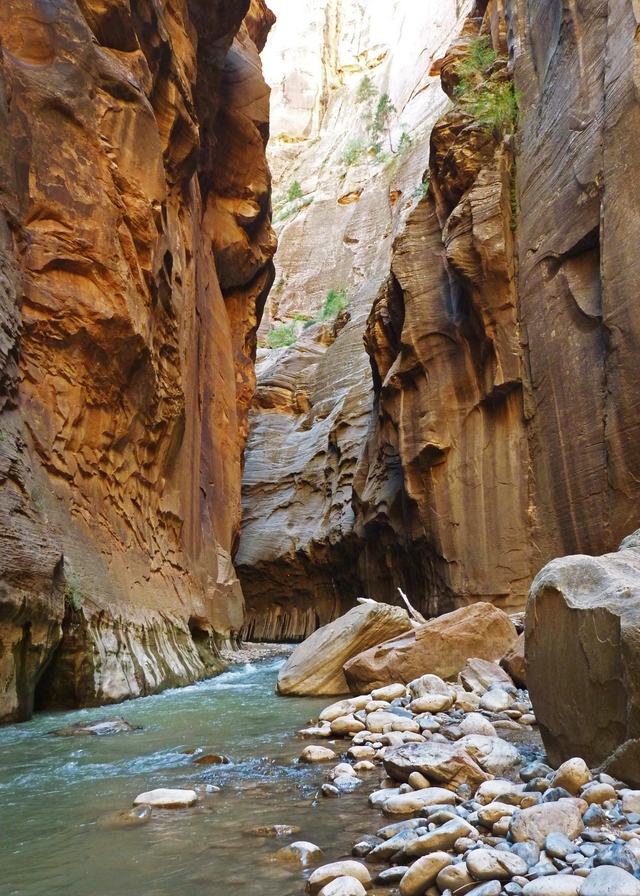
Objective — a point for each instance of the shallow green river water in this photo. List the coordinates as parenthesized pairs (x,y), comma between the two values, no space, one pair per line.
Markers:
(58,796)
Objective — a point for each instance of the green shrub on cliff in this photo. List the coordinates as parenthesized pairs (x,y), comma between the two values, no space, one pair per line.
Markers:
(282,335)
(72,591)
(336,301)
(294,192)
(496,105)
(479,58)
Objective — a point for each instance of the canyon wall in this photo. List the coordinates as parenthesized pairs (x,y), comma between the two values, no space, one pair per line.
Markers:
(494,424)
(135,258)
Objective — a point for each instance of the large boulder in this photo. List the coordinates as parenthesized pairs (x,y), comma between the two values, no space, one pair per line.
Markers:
(440,646)
(582,636)
(315,666)
(513,663)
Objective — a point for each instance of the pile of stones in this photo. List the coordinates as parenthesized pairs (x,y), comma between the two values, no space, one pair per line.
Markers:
(466,813)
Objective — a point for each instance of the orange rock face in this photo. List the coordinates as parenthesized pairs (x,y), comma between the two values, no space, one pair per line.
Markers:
(135,258)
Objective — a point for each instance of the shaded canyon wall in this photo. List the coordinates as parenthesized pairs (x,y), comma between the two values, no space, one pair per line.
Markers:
(135,258)
(497,424)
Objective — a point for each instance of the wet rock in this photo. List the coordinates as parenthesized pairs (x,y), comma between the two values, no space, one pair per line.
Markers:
(211,759)
(317,754)
(493,812)
(598,794)
(330,791)
(442,839)
(441,647)
(315,666)
(495,701)
(274,830)
(630,800)
(431,703)
(491,888)
(538,821)
(327,873)
(494,755)
(487,864)
(528,850)
(409,803)
(365,844)
(488,791)
(439,763)
(513,663)
(342,708)
(378,798)
(165,798)
(572,775)
(594,817)
(478,675)
(364,766)
(301,853)
(391,876)
(127,818)
(344,886)
(557,845)
(99,727)
(207,789)
(557,885)
(534,770)
(388,848)
(476,723)
(390,830)
(610,881)
(346,726)
(453,877)
(423,873)
(418,781)
(620,856)
(361,753)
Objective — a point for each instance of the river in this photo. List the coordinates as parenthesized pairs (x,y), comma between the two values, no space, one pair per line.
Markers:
(58,796)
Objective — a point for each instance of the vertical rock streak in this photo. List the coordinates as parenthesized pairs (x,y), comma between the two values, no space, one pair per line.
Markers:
(136,256)
(498,425)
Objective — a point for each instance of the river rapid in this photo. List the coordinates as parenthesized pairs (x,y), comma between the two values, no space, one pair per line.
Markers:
(58,796)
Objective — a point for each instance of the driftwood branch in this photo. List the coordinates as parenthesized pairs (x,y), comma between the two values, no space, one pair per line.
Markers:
(417,617)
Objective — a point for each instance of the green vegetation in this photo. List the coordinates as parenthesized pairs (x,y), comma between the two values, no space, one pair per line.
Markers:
(422,189)
(294,192)
(490,101)
(280,285)
(38,499)
(355,149)
(282,335)
(478,60)
(366,90)
(495,104)
(72,591)
(336,301)
(404,144)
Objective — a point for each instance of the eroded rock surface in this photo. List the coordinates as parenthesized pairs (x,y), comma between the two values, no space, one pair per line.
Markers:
(135,257)
(583,619)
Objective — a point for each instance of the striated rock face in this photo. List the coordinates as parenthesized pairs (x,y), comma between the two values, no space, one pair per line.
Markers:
(135,257)
(302,558)
(498,427)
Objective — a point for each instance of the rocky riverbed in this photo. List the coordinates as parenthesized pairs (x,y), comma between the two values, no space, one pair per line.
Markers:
(468,804)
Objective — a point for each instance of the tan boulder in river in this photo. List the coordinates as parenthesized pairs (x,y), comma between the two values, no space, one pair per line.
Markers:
(315,666)
(440,646)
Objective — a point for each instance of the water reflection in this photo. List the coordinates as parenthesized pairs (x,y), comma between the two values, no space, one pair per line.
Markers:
(59,796)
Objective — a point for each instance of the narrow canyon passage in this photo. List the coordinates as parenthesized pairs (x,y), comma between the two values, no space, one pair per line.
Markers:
(319,328)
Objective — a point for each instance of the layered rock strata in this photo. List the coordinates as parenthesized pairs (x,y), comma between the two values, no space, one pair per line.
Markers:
(302,558)
(135,257)
(501,428)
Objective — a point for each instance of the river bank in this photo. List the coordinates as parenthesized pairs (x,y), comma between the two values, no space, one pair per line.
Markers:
(64,801)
